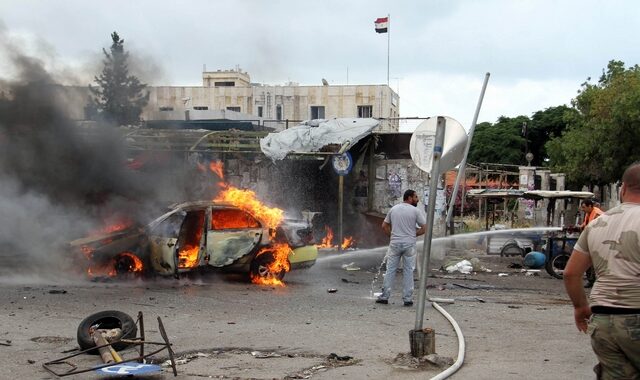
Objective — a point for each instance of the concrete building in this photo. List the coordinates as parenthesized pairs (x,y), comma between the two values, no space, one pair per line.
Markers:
(276,106)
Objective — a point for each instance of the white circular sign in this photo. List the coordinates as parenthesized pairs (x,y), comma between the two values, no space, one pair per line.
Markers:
(423,141)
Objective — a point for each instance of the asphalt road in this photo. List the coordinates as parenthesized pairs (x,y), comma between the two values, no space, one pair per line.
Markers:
(220,327)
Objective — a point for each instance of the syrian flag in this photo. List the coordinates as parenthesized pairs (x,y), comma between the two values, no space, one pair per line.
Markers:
(382,24)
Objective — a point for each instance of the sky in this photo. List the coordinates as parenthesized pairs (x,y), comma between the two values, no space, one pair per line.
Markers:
(537,52)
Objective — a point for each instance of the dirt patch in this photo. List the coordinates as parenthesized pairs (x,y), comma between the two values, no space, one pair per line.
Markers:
(51,339)
(428,362)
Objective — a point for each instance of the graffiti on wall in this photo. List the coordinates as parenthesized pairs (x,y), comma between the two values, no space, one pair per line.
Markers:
(394,182)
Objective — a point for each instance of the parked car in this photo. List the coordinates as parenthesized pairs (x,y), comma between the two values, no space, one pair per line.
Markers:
(203,234)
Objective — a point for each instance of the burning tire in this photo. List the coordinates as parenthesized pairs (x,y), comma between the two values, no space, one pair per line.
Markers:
(109,319)
(262,268)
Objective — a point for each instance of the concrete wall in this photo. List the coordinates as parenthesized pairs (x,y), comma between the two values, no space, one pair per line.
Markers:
(393,177)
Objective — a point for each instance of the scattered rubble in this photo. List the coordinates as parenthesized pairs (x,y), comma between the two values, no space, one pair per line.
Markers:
(464,266)
(186,359)
(334,356)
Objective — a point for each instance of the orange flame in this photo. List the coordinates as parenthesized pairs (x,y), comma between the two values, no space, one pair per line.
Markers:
(246,200)
(218,168)
(280,253)
(125,262)
(327,241)
(188,256)
(271,217)
(347,242)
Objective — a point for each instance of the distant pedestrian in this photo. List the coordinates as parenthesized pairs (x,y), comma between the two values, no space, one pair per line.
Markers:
(591,211)
(403,224)
(612,317)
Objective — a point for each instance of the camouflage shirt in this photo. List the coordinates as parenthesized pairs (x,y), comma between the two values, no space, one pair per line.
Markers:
(613,242)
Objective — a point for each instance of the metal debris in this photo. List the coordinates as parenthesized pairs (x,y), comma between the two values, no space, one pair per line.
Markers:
(264,355)
(350,267)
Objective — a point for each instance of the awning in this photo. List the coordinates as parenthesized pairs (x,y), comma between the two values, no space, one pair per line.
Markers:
(540,194)
(496,193)
(530,194)
(322,137)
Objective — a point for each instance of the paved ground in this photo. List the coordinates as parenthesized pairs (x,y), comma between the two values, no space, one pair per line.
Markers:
(515,326)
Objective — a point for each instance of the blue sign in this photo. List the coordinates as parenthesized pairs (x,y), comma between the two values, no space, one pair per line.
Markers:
(342,163)
(129,369)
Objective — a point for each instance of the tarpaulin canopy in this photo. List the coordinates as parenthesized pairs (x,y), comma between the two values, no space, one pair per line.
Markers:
(320,136)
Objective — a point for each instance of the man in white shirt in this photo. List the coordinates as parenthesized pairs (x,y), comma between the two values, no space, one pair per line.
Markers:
(403,224)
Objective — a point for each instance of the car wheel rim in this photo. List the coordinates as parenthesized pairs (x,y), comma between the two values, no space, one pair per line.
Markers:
(263,271)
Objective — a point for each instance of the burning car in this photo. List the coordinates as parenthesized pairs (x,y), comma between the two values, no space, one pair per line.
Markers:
(203,234)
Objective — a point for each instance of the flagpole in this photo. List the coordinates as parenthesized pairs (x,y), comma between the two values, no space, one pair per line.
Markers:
(388,43)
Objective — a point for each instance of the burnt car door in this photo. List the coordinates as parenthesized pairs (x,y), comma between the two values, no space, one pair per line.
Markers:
(175,241)
(233,233)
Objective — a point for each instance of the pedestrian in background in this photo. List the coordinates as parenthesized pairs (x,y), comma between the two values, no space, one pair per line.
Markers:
(403,223)
(611,317)
(591,211)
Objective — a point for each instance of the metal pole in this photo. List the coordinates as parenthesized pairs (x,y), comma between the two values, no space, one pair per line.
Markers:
(426,247)
(340,200)
(388,43)
(463,163)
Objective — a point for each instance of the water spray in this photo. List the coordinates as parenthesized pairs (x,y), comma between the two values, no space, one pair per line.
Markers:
(376,276)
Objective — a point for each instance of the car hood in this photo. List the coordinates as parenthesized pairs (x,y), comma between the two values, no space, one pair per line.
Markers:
(108,237)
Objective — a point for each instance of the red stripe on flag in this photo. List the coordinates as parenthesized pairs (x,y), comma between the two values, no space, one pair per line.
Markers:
(381,19)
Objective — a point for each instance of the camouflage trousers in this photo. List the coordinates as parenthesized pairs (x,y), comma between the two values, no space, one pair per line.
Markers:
(616,342)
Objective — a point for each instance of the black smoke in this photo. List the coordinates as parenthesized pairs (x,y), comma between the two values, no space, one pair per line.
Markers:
(59,179)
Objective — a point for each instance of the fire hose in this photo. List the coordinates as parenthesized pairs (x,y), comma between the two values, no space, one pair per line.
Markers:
(461,346)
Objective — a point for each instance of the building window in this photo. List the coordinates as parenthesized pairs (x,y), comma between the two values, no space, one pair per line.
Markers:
(166,108)
(235,109)
(317,112)
(224,84)
(365,111)
(201,108)
(279,112)
(259,111)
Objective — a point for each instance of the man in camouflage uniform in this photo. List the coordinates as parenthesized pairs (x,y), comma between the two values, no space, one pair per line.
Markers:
(612,317)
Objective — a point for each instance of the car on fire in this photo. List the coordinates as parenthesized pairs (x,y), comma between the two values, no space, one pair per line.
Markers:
(198,235)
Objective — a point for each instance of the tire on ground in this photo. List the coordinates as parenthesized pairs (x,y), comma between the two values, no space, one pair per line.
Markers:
(108,319)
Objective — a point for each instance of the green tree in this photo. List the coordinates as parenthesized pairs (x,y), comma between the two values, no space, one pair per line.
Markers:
(603,134)
(118,97)
(501,143)
(544,126)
